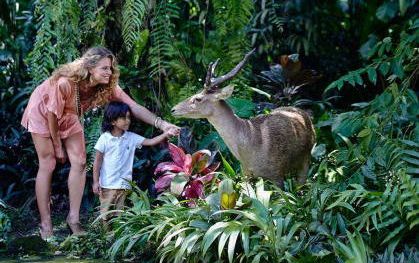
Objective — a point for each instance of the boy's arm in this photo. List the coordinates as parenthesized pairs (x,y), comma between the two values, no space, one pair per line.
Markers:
(96,170)
(156,140)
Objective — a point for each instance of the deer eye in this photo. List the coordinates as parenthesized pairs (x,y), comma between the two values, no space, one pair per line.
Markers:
(197,99)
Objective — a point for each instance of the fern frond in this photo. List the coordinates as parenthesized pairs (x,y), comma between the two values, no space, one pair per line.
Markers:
(40,60)
(92,133)
(232,19)
(92,23)
(133,13)
(394,211)
(161,36)
(67,34)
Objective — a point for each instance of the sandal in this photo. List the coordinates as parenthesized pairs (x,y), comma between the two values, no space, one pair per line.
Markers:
(76,229)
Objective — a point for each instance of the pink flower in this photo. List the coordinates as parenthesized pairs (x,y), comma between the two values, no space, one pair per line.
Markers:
(192,172)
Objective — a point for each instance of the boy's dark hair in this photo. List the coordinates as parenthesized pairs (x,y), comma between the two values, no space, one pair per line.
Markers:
(113,111)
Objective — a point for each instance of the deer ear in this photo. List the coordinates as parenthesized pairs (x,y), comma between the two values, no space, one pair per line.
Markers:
(225,92)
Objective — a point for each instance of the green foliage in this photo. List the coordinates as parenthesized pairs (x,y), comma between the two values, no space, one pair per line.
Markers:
(93,245)
(5,224)
(45,57)
(407,255)
(182,234)
(92,22)
(230,20)
(41,60)
(133,14)
(395,60)
(92,131)
(242,107)
(161,36)
(356,251)
(393,212)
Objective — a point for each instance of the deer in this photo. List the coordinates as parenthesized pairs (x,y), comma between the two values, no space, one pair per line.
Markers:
(271,146)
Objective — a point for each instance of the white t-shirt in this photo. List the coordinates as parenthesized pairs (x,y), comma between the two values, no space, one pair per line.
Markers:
(118,158)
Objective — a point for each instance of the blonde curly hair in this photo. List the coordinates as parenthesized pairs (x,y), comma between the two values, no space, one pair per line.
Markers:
(78,71)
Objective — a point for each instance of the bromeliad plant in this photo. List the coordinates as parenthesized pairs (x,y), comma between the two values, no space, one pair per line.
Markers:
(187,174)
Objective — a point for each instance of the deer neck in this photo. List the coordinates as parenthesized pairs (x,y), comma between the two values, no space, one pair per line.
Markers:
(228,125)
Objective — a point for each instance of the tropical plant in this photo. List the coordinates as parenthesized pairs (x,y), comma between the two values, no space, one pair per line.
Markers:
(356,251)
(5,223)
(287,78)
(187,174)
(395,58)
(394,211)
(254,230)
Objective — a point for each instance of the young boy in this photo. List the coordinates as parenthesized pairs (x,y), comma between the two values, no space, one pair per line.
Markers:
(115,148)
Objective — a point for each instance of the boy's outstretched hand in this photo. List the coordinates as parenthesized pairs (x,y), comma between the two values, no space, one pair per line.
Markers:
(172,132)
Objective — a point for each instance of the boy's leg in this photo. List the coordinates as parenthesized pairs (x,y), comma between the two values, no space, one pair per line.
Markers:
(106,199)
(121,195)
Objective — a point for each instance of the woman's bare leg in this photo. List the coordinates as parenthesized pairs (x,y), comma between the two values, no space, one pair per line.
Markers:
(76,152)
(46,157)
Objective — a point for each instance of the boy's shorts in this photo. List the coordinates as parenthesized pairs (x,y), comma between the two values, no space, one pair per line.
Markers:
(112,199)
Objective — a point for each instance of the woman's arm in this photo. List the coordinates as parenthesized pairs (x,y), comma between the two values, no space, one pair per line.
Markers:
(96,170)
(143,114)
(56,140)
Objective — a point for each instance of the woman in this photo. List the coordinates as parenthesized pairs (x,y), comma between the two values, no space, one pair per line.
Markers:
(52,117)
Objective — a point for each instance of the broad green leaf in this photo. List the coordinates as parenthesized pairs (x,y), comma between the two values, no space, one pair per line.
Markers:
(411,143)
(403,5)
(412,213)
(414,223)
(411,153)
(384,68)
(364,133)
(387,11)
(372,75)
(261,92)
(223,240)
(397,68)
(227,167)
(412,170)
(241,107)
(200,224)
(168,237)
(260,209)
(245,240)
(393,233)
(212,233)
(358,78)
(351,79)
(411,160)
(232,244)
(178,184)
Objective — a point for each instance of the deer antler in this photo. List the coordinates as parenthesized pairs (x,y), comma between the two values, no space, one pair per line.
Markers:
(211,82)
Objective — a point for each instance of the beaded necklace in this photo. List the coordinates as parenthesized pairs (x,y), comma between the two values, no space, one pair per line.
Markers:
(78,106)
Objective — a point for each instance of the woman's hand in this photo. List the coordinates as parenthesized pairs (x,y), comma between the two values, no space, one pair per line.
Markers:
(60,153)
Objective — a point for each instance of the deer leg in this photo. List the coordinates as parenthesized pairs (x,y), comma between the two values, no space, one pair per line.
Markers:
(302,173)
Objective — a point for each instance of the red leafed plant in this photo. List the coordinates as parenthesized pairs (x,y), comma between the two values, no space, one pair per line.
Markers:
(187,174)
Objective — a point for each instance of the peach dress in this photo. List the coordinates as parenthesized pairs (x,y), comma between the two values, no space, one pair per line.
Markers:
(60,99)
